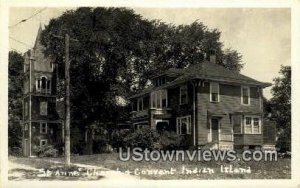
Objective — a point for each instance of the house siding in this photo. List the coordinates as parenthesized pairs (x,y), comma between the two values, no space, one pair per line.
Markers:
(180,110)
(248,139)
(229,102)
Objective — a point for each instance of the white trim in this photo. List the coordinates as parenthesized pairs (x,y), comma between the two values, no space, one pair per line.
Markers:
(252,124)
(161,120)
(43,123)
(210,89)
(45,140)
(178,126)
(242,101)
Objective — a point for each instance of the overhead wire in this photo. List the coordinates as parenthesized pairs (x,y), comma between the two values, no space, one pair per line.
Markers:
(24,20)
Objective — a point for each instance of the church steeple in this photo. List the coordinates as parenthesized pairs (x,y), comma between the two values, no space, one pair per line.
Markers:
(38,37)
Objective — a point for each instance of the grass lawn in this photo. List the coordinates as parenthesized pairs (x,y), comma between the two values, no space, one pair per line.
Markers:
(29,169)
(280,169)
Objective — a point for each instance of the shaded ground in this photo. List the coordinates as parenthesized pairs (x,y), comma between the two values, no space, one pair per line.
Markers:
(54,169)
(280,169)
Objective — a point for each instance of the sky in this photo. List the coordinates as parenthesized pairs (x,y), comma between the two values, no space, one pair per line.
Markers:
(262,36)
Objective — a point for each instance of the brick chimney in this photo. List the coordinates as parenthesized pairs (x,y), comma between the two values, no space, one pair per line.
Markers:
(212,56)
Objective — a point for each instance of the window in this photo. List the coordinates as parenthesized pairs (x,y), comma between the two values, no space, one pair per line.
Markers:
(43,128)
(256,127)
(183,99)
(159,99)
(43,84)
(140,104)
(248,125)
(146,103)
(48,85)
(26,108)
(43,108)
(38,85)
(252,125)
(43,142)
(26,126)
(153,100)
(214,92)
(160,81)
(184,125)
(245,95)
(163,98)
(236,123)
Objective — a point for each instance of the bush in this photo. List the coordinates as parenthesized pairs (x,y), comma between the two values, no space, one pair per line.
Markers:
(169,140)
(142,138)
(46,151)
(15,151)
(118,138)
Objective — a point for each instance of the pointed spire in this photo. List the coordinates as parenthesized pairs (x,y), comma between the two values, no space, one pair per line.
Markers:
(38,36)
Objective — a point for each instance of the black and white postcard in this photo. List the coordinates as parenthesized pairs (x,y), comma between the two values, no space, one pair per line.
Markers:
(153,94)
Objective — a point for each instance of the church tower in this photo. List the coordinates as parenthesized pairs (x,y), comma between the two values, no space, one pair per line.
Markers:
(41,122)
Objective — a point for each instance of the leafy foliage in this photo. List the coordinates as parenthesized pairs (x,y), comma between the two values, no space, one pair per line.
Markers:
(170,140)
(15,91)
(45,151)
(118,51)
(279,107)
(142,138)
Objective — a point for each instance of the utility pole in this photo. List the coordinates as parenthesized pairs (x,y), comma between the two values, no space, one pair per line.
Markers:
(67,102)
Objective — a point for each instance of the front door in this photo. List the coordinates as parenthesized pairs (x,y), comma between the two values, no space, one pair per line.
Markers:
(215,130)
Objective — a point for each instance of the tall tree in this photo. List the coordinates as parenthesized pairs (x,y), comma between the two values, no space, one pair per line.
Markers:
(15,91)
(117,52)
(280,106)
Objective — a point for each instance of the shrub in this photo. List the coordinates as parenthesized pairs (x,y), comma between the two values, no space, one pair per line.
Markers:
(45,151)
(100,144)
(170,140)
(118,138)
(15,151)
(142,138)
